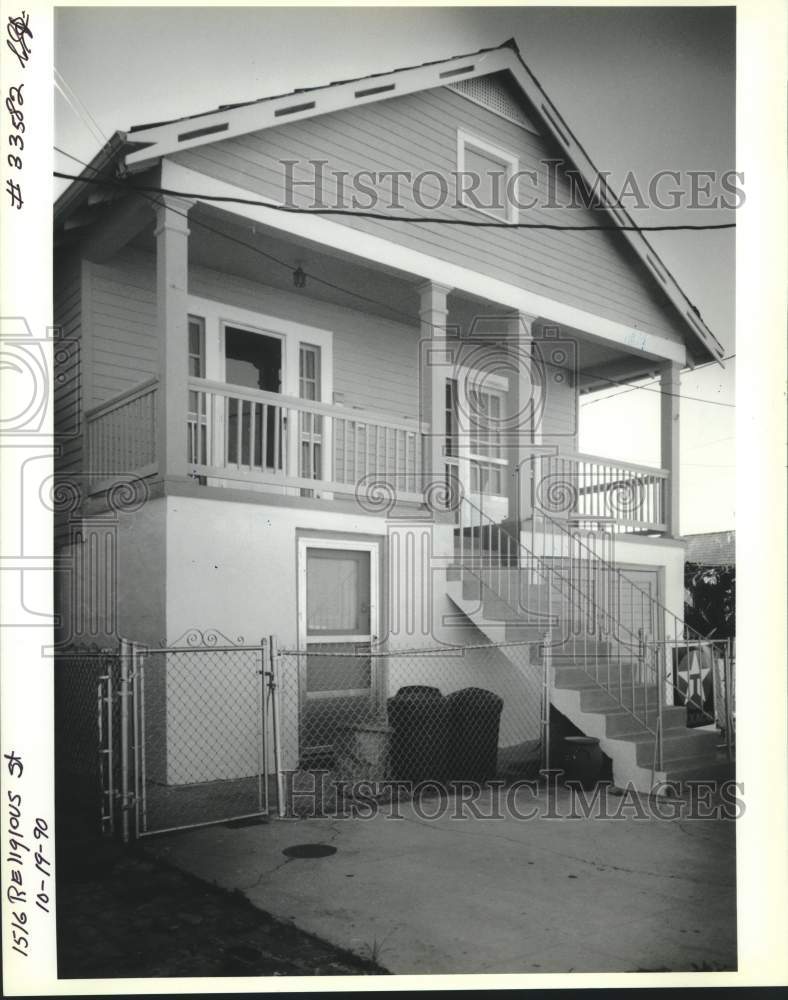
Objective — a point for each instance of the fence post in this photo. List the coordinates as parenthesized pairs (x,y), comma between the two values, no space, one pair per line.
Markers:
(272,684)
(125,662)
(264,723)
(546,670)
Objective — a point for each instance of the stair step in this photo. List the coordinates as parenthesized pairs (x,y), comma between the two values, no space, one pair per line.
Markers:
(574,675)
(684,769)
(596,698)
(619,722)
(675,746)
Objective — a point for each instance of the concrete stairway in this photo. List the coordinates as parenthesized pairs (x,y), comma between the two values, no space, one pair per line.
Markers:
(592,685)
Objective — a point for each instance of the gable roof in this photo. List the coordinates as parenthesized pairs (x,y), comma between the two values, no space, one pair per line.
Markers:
(146,144)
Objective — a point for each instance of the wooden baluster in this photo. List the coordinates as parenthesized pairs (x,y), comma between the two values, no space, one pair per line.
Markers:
(264,438)
(253,436)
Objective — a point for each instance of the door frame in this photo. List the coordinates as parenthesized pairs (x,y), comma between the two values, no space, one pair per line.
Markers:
(349,545)
(219,315)
(466,377)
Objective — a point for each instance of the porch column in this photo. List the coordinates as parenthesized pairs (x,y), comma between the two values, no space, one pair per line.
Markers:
(670,383)
(520,432)
(172,260)
(435,367)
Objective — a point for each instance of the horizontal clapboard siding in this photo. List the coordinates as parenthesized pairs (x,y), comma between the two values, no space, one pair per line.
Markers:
(595,271)
(375,360)
(67,303)
(123,309)
(67,318)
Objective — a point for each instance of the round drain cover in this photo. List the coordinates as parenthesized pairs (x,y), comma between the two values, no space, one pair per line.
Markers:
(309,851)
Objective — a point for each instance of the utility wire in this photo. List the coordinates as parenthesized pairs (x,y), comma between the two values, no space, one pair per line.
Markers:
(383,217)
(78,106)
(651,381)
(145,193)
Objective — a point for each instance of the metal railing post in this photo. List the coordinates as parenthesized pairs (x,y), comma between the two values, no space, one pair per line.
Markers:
(546,678)
(264,725)
(661,653)
(124,694)
(642,679)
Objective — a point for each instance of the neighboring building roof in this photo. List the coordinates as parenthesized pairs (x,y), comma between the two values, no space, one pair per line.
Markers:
(713,548)
(143,145)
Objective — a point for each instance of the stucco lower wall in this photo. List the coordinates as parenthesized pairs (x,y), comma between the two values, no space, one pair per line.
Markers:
(232,568)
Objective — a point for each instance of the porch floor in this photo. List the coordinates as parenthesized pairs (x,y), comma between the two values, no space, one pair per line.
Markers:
(463,895)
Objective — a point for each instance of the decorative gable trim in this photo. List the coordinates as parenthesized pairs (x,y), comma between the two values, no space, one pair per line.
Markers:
(492,95)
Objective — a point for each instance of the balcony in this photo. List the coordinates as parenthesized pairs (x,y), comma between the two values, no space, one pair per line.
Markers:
(266,440)
(273,443)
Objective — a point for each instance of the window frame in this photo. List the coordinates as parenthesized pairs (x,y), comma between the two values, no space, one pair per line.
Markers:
(508,160)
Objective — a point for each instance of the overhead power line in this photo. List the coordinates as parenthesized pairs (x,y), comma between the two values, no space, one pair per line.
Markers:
(651,381)
(153,195)
(383,217)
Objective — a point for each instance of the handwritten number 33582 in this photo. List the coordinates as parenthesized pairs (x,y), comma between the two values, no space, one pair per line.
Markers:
(12,103)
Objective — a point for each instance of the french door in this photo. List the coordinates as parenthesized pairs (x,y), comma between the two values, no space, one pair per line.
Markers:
(475,414)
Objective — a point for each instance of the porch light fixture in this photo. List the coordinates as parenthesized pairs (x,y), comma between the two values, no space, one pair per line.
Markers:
(299,277)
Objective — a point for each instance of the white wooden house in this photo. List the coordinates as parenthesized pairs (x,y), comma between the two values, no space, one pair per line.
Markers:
(309,398)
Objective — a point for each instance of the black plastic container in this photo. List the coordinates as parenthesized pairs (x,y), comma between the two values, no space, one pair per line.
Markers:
(474,724)
(418,717)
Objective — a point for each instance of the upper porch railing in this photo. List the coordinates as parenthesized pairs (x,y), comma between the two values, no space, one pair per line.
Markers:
(238,435)
(121,434)
(264,437)
(593,492)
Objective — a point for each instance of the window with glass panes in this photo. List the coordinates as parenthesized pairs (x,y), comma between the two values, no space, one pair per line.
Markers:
(486,411)
(196,367)
(310,424)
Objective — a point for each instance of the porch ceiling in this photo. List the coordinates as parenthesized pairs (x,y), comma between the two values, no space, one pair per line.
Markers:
(224,242)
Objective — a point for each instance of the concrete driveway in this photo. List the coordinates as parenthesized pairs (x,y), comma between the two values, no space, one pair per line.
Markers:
(479,895)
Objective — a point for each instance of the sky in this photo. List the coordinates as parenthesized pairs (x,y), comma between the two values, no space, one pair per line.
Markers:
(644,89)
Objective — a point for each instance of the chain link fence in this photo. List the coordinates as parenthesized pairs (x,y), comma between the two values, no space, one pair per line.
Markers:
(87,731)
(396,719)
(154,740)
(203,752)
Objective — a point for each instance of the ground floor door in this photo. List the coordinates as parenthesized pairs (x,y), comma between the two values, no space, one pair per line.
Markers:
(338,623)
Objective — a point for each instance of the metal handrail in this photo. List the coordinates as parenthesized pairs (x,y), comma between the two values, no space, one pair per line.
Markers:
(651,653)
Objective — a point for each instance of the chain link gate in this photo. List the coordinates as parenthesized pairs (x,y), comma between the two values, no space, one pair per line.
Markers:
(202,733)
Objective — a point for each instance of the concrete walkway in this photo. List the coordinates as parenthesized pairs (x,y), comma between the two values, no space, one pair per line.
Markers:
(472,895)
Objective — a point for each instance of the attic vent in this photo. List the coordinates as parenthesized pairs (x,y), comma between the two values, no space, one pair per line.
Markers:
(293,109)
(455,72)
(208,130)
(375,90)
(491,94)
